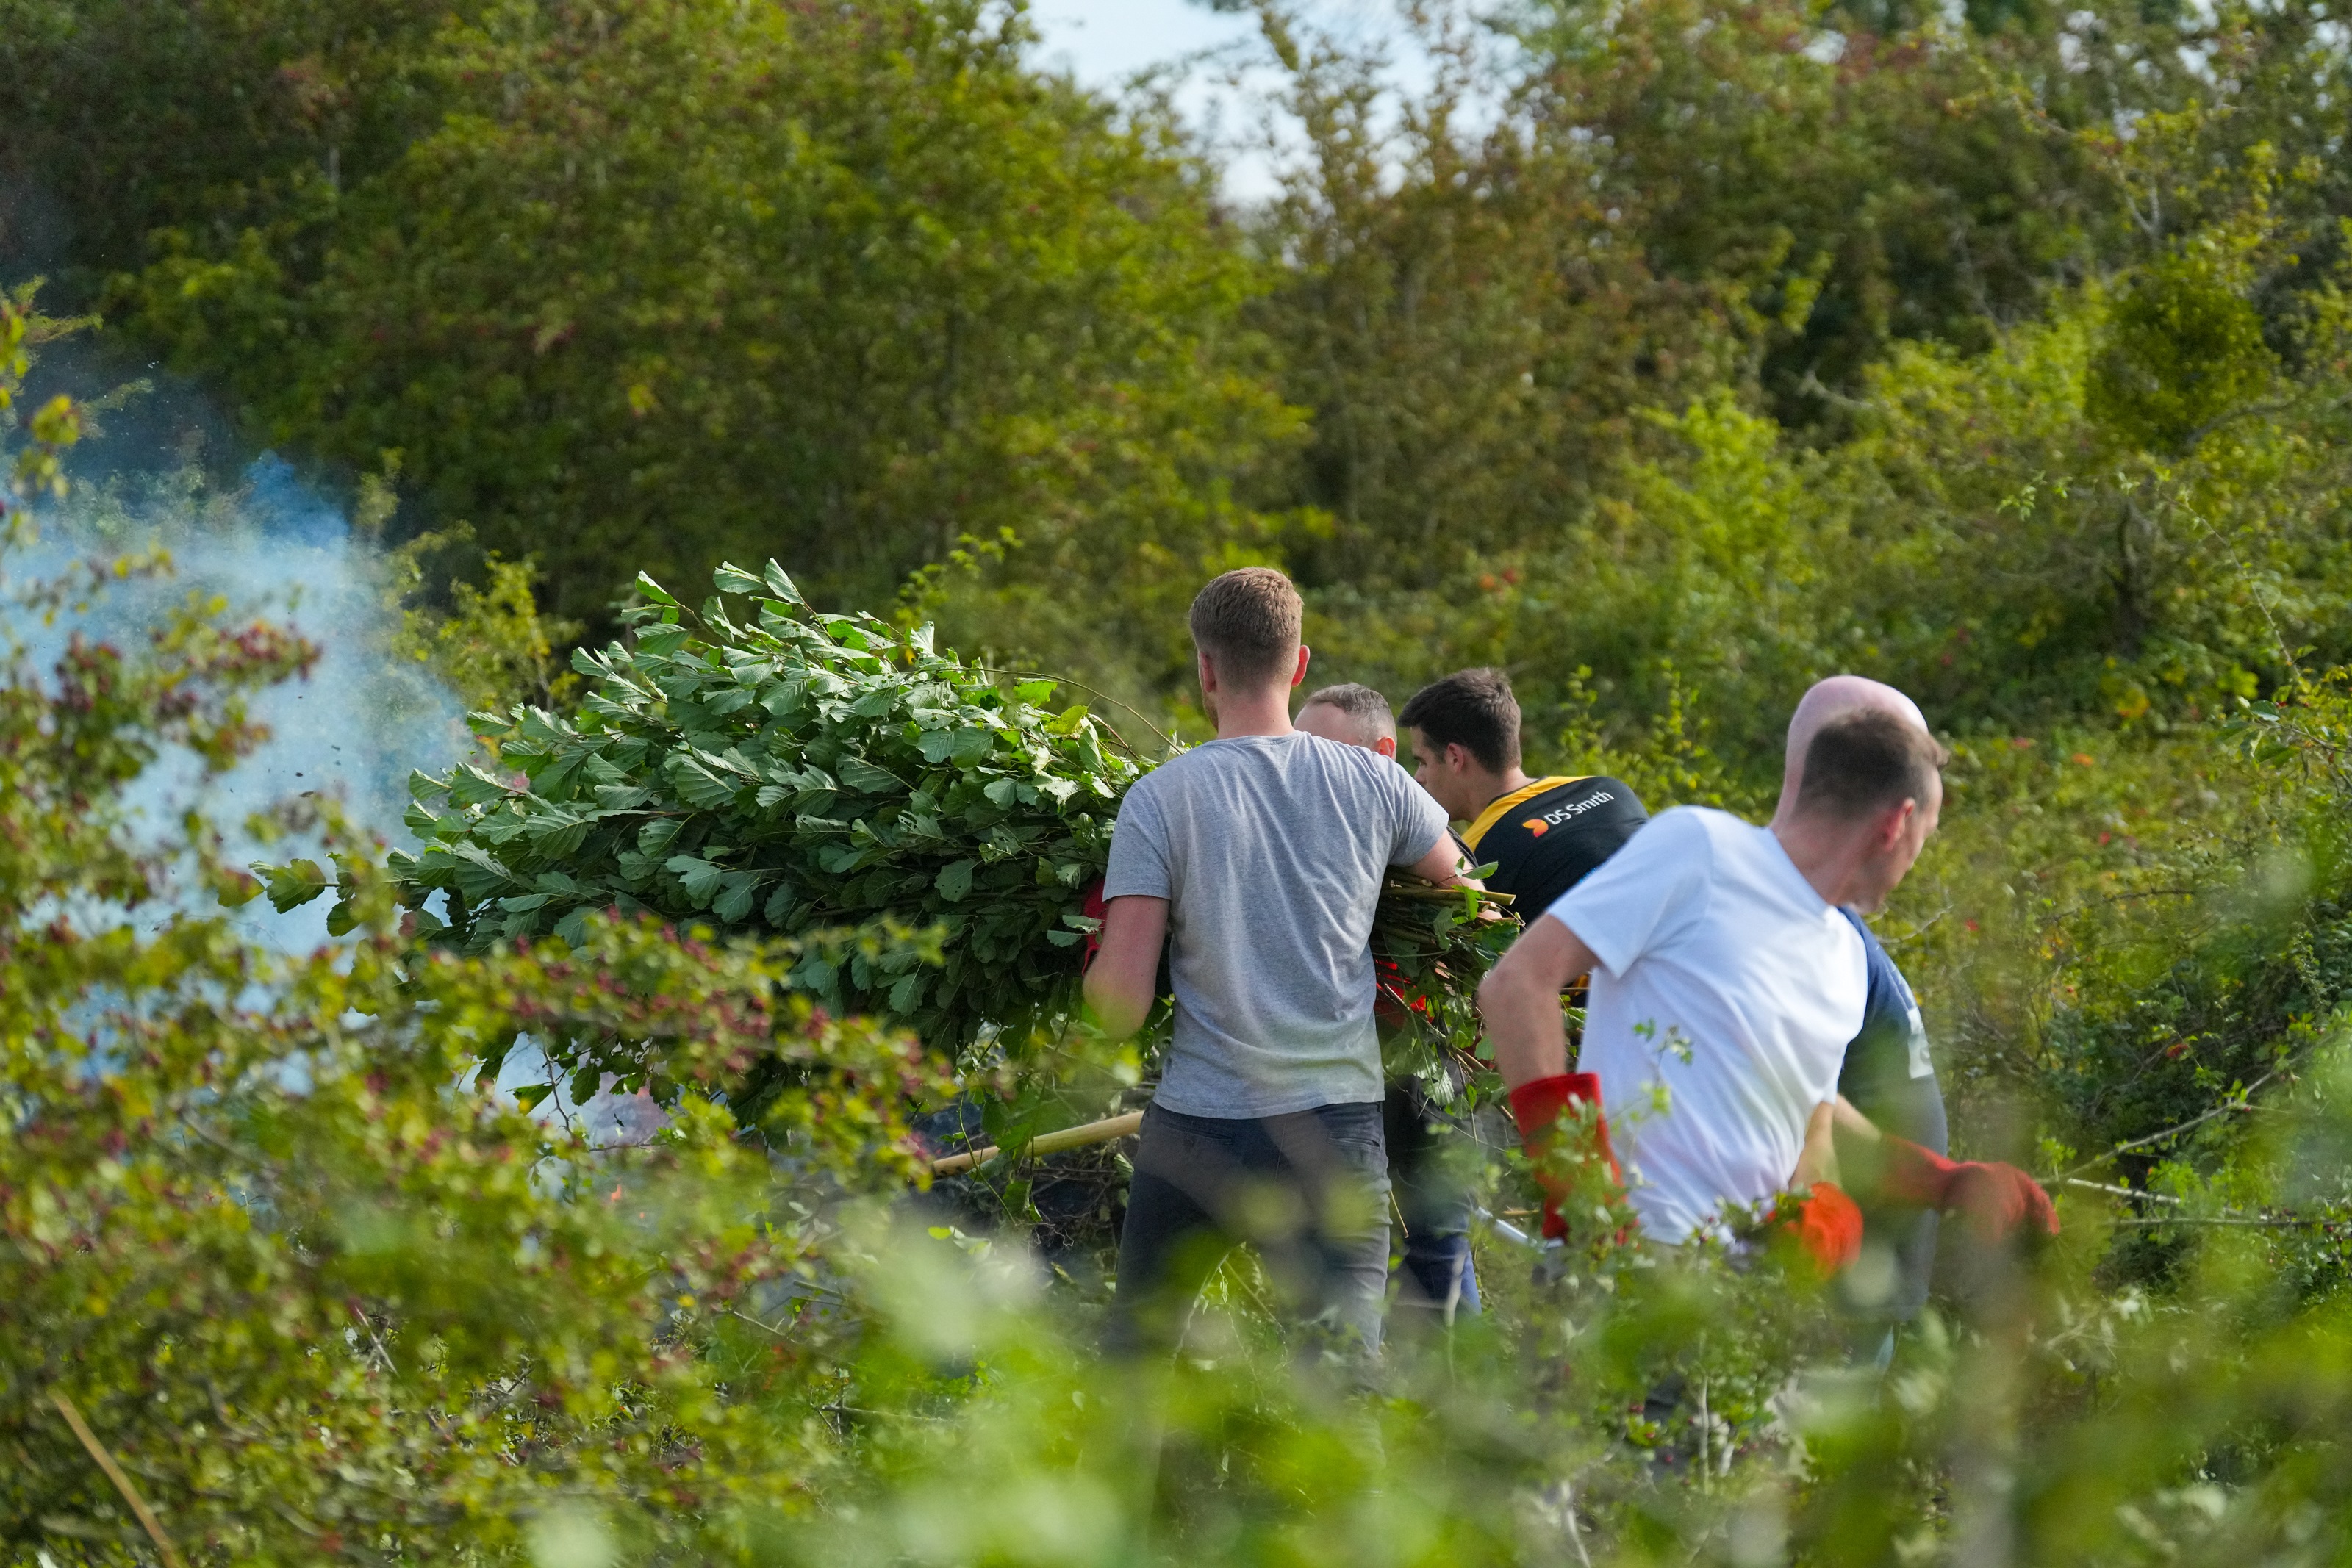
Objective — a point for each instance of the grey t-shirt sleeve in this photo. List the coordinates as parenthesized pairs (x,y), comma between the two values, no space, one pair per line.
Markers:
(1139,849)
(1420,819)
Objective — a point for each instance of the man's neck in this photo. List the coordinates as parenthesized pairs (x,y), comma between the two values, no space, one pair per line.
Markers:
(1828,855)
(1253,713)
(1509,781)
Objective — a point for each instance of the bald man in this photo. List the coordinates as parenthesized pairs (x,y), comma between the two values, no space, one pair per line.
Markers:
(1892,1136)
(1727,966)
(1889,1076)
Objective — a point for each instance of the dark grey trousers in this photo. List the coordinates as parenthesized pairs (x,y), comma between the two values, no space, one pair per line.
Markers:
(1309,1190)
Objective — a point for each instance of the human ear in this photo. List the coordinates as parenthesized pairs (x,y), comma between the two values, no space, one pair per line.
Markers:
(1299,673)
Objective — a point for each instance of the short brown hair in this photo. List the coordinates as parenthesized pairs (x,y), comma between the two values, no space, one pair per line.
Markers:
(1361,703)
(1865,761)
(1472,710)
(1247,620)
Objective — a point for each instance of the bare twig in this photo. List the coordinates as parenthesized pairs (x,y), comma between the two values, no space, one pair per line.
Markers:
(2121,1191)
(755,1322)
(97,1450)
(383,1351)
(2240,1104)
(1917,931)
(1166,740)
(2275,1222)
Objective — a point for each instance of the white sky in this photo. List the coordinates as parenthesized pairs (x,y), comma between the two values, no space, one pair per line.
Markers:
(1104,43)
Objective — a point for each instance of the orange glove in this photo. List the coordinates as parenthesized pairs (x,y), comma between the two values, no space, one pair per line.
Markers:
(1536,1106)
(1826,1223)
(1998,1199)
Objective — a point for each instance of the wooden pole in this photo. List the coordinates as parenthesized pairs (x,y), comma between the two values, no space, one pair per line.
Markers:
(97,1450)
(1077,1137)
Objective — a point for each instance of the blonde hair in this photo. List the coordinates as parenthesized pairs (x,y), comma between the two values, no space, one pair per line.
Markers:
(1248,622)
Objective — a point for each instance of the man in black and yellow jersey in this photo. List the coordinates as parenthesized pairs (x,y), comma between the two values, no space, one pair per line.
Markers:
(1542,836)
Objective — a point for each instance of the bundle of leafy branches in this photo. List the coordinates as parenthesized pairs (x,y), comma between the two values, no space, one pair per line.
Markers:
(796,774)
(803,773)
(1433,945)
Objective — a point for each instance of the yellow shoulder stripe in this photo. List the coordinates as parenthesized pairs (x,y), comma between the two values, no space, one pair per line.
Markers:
(1496,809)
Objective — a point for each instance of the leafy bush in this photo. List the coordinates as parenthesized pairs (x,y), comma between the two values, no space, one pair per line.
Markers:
(308,1295)
(821,770)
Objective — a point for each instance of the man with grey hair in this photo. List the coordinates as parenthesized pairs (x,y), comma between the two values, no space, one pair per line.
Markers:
(1433,1164)
(1352,715)
(1889,1076)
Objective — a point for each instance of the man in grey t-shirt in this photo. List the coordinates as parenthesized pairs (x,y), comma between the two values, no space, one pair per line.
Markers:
(1260,856)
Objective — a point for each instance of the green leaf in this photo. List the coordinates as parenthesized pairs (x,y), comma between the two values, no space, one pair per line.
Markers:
(860,774)
(734,900)
(781,586)
(732,579)
(292,886)
(699,877)
(701,787)
(654,591)
(469,786)
(954,879)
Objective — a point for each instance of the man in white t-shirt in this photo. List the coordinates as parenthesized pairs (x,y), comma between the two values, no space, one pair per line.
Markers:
(1724,973)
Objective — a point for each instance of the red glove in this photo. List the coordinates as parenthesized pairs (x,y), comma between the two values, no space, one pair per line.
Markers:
(1998,1199)
(1537,1104)
(1094,909)
(1826,1224)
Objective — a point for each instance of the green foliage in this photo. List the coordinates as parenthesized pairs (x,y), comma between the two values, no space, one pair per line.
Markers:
(2006,362)
(2182,349)
(313,1299)
(893,289)
(797,773)
(490,645)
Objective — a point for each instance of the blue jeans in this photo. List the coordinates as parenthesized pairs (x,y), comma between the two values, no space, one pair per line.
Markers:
(1309,1190)
(1433,1167)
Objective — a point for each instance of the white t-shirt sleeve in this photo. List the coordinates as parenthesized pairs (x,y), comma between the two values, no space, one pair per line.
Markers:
(1644,893)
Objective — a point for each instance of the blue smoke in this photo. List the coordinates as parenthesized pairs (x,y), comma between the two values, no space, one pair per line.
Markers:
(272,548)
